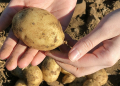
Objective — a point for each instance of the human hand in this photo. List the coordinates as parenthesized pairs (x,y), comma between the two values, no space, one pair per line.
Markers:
(97,50)
(13,49)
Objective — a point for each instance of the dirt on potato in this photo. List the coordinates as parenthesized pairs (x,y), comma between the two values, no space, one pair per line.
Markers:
(82,23)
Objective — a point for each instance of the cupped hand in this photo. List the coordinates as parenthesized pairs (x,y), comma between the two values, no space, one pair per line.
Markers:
(13,49)
(97,50)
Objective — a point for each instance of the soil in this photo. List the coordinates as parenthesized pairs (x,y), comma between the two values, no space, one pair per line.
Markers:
(86,16)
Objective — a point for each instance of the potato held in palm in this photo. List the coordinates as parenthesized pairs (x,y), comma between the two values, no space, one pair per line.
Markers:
(38,29)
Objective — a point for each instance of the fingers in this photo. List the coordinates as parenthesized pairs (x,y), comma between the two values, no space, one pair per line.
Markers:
(6,18)
(105,55)
(109,52)
(79,72)
(85,45)
(88,60)
(8,46)
(27,57)
(22,57)
(18,54)
(19,49)
(38,58)
(106,29)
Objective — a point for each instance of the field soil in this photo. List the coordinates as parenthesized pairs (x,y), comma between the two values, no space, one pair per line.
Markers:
(87,15)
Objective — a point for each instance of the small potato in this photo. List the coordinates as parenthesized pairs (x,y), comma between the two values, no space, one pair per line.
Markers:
(20,83)
(50,69)
(68,77)
(38,29)
(99,76)
(33,75)
(78,81)
(55,83)
(91,82)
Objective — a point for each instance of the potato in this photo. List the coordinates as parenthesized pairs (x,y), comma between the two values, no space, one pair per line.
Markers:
(50,69)
(99,76)
(33,75)
(20,83)
(55,83)
(78,81)
(68,77)
(38,29)
(91,82)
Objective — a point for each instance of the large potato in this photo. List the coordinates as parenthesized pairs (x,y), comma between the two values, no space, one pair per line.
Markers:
(38,29)
(50,69)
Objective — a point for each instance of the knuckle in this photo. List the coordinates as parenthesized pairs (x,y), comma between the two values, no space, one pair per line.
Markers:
(87,43)
(108,57)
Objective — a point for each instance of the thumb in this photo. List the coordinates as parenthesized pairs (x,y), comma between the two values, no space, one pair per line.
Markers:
(84,45)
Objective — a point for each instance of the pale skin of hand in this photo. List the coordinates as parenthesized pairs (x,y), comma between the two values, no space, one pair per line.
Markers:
(97,50)
(13,49)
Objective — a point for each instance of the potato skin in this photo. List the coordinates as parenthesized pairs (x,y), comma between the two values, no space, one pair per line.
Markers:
(91,82)
(68,78)
(50,69)
(78,81)
(99,76)
(33,75)
(55,83)
(38,29)
(20,83)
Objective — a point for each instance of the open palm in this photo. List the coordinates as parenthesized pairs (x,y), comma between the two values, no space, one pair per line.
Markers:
(13,49)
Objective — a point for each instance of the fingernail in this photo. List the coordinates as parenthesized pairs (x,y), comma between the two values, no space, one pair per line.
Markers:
(74,55)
